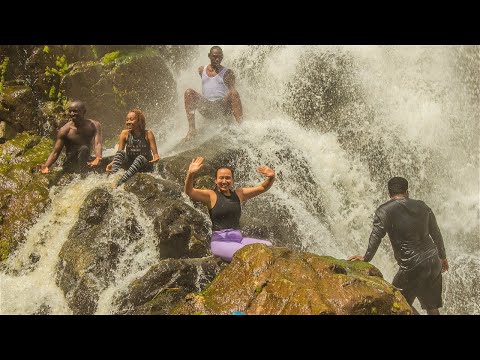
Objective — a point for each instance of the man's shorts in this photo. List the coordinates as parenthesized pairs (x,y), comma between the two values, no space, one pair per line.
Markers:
(213,109)
(423,282)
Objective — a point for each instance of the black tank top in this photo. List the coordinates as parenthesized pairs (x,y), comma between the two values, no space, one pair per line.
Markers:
(226,212)
(136,147)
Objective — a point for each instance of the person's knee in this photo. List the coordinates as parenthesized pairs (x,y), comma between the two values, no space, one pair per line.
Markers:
(222,252)
(190,94)
(233,93)
(141,159)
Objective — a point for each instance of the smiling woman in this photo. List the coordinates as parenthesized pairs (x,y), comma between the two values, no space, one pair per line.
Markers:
(137,150)
(224,207)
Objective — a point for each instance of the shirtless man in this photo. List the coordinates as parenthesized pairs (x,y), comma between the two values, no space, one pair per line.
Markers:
(219,96)
(77,136)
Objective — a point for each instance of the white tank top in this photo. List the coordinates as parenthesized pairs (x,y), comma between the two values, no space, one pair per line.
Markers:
(213,88)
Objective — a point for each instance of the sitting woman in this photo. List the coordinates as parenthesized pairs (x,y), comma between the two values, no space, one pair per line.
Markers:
(224,207)
(137,150)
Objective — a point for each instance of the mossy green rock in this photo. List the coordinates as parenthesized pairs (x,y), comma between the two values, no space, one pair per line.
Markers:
(23,191)
(109,89)
(278,281)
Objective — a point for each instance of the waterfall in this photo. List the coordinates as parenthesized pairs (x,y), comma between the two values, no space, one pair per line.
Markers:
(335,122)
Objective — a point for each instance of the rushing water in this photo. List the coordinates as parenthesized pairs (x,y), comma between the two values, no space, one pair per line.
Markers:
(335,122)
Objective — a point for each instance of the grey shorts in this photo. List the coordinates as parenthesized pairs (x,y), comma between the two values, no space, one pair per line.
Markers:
(213,109)
(423,282)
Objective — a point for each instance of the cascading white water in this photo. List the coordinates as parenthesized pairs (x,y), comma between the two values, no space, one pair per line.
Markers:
(422,104)
(29,287)
(417,104)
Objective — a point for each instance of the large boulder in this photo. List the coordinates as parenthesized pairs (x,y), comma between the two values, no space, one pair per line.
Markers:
(20,108)
(278,281)
(217,151)
(165,284)
(181,230)
(21,111)
(88,258)
(118,83)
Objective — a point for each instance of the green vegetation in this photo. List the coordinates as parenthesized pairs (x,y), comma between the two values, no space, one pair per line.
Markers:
(3,71)
(56,74)
(117,57)
(110,57)
(3,250)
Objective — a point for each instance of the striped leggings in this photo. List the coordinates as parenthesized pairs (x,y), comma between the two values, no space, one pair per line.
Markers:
(140,163)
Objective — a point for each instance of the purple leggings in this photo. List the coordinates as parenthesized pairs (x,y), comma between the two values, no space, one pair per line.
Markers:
(226,242)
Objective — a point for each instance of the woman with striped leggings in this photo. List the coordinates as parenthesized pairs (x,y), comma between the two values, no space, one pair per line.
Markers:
(137,150)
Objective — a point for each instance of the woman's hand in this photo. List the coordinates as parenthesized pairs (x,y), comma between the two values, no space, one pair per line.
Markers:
(155,159)
(266,171)
(108,169)
(195,165)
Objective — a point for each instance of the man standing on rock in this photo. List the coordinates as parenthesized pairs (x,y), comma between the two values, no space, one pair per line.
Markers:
(77,135)
(417,246)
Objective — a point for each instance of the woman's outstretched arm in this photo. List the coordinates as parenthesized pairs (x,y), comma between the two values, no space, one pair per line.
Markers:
(247,193)
(207,197)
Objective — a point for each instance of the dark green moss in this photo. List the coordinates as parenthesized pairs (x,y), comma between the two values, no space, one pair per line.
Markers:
(3,250)
(18,160)
(3,71)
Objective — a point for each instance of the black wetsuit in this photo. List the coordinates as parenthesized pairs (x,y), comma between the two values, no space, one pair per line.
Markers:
(226,212)
(417,246)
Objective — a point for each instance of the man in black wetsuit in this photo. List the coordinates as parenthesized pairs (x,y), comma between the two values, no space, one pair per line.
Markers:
(417,246)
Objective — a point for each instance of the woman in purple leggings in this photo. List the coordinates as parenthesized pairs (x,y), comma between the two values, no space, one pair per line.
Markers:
(224,207)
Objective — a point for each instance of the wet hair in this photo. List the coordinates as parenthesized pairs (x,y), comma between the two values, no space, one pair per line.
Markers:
(224,167)
(397,185)
(140,117)
(215,47)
